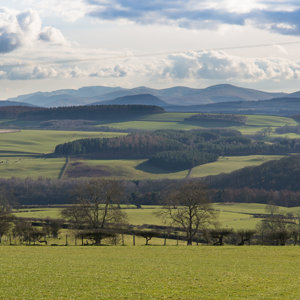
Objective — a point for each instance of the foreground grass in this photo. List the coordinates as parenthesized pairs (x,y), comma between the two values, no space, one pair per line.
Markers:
(182,272)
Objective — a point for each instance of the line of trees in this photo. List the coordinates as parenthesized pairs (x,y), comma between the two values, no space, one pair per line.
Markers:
(224,118)
(90,112)
(187,214)
(201,142)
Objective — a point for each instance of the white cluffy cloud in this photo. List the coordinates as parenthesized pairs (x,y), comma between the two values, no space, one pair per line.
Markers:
(18,29)
(188,67)
(219,65)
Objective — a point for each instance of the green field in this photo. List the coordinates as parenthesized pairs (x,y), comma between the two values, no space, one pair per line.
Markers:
(138,169)
(232,215)
(20,152)
(34,167)
(43,141)
(229,164)
(141,272)
(254,124)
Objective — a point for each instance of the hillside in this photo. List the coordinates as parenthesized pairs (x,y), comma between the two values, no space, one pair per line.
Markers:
(281,174)
(97,112)
(278,107)
(13,103)
(142,99)
(174,96)
(65,97)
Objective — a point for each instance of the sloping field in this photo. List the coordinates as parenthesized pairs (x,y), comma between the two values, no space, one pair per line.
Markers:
(228,164)
(34,167)
(119,169)
(254,123)
(43,141)
(139,169)
(20,152)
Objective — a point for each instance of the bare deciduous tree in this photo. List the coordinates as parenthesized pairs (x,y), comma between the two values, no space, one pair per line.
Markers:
(97,207)
(188,207)
(6,216)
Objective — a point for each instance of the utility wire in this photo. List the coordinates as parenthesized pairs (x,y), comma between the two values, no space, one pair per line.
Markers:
(153,54)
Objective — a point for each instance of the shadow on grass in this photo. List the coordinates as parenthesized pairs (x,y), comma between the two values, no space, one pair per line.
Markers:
(211,124)
(147,167)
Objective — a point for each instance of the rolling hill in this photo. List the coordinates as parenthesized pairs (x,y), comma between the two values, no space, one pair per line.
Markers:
(173,96)
(286,106)
(280,174)
(142,99)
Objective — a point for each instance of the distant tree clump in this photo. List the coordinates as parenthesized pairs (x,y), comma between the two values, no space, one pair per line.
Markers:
(130,146)
(90,112)
(224,118)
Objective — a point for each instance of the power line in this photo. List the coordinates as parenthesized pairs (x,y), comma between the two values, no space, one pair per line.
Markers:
(153,54)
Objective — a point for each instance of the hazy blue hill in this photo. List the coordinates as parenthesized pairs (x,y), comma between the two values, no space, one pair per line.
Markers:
(13,103)
(145,99)
(65,97)
(278,106)
(178,95)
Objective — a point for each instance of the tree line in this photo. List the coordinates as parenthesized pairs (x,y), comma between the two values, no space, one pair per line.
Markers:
(96,215)
(86,112)
(230,119)
(177,149)
(22,192)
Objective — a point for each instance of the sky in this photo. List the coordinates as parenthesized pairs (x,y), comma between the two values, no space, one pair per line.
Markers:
(57,44)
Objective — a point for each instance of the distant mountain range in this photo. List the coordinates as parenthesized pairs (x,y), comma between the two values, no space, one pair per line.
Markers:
(145,99)
(182,96)
(222,98)
(277,107)
(14,103)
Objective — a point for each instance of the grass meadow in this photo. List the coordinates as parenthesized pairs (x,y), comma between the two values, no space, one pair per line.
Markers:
(20,152)
(254,124)
(231,215)
(170,272)
(43,141)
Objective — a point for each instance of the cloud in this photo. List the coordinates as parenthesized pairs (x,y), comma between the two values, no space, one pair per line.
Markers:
(18,29)
(35,72)
(53,35)
(218,65)
(278,16)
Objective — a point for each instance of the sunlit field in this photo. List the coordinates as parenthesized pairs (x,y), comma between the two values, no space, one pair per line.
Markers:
(147,272)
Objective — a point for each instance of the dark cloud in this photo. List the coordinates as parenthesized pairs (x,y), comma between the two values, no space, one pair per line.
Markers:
(9,42)
(183,14)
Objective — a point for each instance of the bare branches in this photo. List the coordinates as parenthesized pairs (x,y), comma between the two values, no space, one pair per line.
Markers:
(187,206)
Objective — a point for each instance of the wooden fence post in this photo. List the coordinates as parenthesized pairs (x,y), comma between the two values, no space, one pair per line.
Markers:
(133,239)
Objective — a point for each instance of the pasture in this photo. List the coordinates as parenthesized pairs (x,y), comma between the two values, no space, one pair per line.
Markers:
(140,169)
(147,272)
(254,124)
(43,141)
(231,215)
(21,152)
